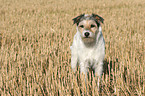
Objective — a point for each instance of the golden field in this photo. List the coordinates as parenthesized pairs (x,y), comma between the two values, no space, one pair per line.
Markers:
(35,40)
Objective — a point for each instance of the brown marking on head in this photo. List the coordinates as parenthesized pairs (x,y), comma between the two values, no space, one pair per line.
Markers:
(88,25)
(77,19)
(94,17)
(98,18)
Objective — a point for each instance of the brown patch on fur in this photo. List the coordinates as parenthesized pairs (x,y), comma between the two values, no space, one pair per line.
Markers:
(87,26)
(98,18)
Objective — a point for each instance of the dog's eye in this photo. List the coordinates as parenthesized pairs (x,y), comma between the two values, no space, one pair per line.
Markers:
(92,26)
(82,26)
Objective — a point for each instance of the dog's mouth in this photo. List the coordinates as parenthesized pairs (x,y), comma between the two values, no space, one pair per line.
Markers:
(86,37)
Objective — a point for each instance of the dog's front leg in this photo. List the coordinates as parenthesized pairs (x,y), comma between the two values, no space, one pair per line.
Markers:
(98,72)
(83,69)
(84,72)
(73,63)
(74,59)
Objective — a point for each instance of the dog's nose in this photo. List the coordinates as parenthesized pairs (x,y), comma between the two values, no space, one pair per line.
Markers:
(87,34)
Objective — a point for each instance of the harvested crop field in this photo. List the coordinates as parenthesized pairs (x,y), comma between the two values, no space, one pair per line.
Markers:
(35,40)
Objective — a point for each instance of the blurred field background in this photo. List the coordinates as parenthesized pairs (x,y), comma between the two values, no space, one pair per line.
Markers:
(35,40)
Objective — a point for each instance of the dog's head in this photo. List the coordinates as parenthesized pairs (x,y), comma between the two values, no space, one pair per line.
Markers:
(88,26)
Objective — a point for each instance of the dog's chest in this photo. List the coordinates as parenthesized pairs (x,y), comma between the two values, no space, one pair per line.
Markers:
(87,53)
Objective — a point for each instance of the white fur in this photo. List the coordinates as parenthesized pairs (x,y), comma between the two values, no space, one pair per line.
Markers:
(88,57)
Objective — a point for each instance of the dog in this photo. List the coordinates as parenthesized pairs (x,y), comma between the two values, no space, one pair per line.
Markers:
(88,47)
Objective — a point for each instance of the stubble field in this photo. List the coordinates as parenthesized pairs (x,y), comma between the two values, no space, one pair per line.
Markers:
(35,40)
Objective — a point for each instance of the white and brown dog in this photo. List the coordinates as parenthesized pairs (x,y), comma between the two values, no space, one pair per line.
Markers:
(88,48)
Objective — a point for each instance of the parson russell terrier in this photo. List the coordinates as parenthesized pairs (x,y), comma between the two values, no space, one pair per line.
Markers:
(88,48)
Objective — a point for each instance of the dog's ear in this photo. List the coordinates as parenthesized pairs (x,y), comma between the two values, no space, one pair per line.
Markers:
(77,19)
(98,18)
